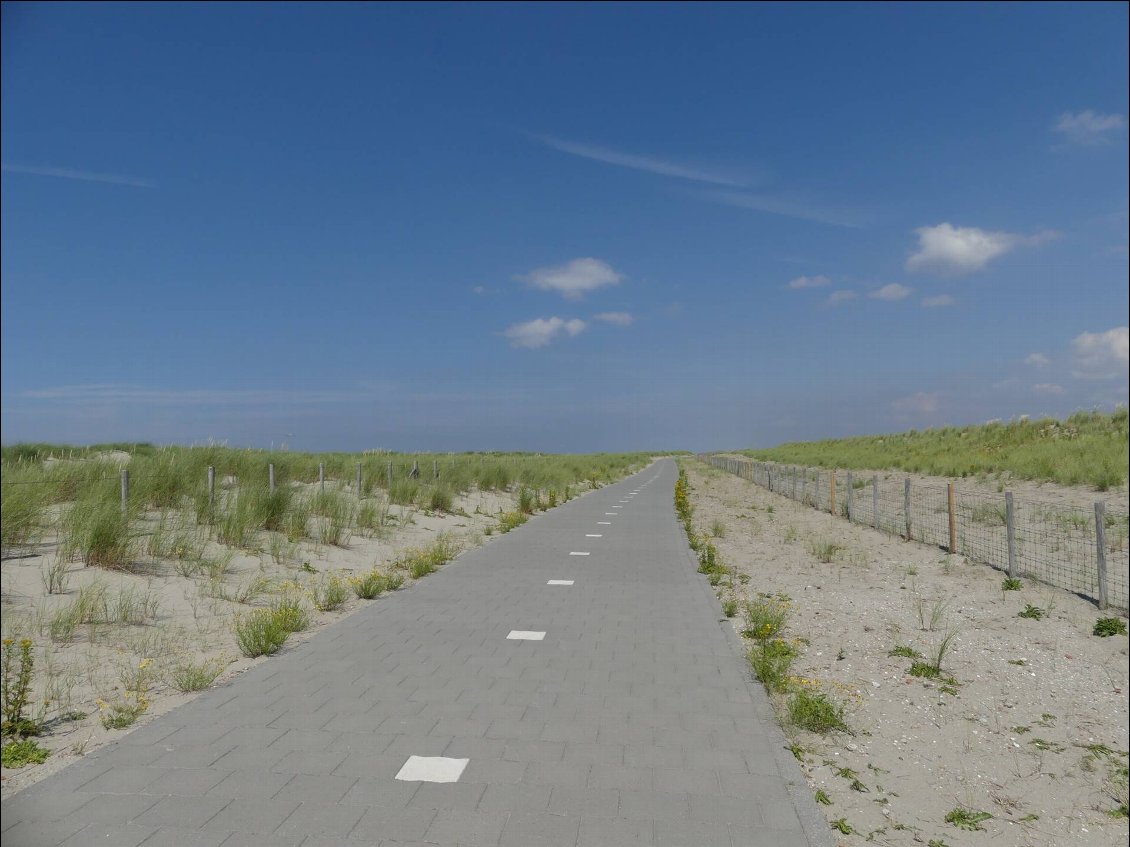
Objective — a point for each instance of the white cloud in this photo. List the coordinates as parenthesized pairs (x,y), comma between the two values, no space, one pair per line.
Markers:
(809,282)
(616,318)
(938,300)
(919,403)
(1089,127)
(84,176)
(541,331)
(639,163)
(837,297)
(573,279)
(957,250)
(1037,360)
(1101,355)
(893,291)
(1049,389)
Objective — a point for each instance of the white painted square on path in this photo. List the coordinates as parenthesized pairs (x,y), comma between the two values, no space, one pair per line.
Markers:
(525,635)
(432,769)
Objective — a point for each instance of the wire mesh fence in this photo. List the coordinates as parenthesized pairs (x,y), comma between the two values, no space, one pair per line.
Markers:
(1083,551)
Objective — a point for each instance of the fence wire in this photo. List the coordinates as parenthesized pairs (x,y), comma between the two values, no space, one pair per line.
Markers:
(1055,544)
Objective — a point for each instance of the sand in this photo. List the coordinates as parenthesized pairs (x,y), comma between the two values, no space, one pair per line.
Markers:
(1019,738)
(193,621)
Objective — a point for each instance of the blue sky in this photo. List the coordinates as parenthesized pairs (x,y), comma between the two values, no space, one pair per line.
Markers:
(558,227)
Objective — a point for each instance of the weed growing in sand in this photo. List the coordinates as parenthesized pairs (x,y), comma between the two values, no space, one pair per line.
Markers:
(822,798)
(511,520)
(771,661)
(1011,583)
(1106,627)
(369,585)
(825,551)
(930,613)
(791,534)
(195,676)
(1031,612)
(967,819)
(816,713)
(730,607)
(329,593)
(420,562)
(55,576)
(718,529)
(1045,746)
(17,754)
(96,531)
(842,826)
(765,617)
(288,611)
(18,669)
(904,651)
(334,518)
(124,711)
(260,633)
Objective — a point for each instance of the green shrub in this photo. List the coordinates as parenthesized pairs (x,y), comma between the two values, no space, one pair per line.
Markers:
(330,593)
(511,520)
(765,617)
(368,585)
(195,676)
(260,633)
(18,670)
(816,713)
(17,754)
(771,661)
(1106,627)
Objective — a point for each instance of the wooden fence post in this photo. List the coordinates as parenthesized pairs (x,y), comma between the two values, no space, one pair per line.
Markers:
(125,490)
(322,475)
(390,476)
(435,468)
(875,502)
(906,506)
(211,487)
(1100,551)
(851,497)
(358,480)
(832,495)
(1010,531)
(951,507)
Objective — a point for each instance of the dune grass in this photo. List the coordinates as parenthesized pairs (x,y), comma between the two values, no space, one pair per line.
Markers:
(1088,448)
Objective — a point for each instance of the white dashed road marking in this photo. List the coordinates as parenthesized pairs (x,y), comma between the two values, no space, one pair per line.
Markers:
(432,769)
(525,635)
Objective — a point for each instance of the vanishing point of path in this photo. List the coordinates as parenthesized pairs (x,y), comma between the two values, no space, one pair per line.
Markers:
(570,683)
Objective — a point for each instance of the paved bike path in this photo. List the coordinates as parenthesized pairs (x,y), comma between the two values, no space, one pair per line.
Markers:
(613,710)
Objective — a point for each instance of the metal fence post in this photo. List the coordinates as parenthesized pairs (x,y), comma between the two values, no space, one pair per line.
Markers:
(1100,551)
(1010,529)
(125,490)
(951,506)
(906,506)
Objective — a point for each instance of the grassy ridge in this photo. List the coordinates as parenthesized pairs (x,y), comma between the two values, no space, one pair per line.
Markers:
(76,490)
(1089,448)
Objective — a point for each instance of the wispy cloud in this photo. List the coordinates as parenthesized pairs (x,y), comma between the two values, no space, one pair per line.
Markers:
(1049,389)
(650,164)
(85,176)
(1037,360)
(892,291)
(123,394)
(809,282)
(573,279)
(958,250)
(786,205)
(541,331)
(937,301)
(1088,127)
(838,297)
(1101,355)
(615,318)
